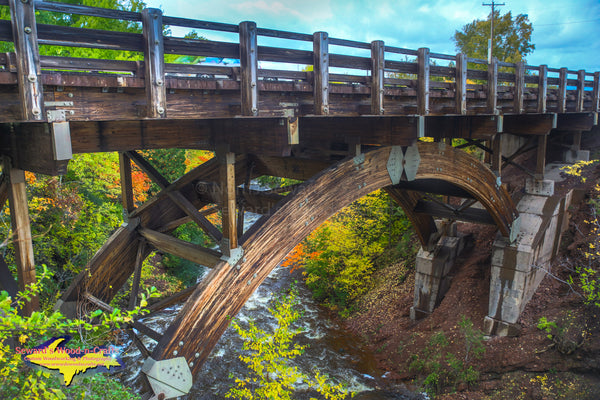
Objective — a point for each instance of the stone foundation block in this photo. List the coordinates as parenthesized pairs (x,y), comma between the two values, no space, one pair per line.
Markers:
(573,156)
(431,275)
(539,187)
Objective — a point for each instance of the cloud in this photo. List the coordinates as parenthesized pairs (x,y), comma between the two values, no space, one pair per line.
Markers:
(407,23)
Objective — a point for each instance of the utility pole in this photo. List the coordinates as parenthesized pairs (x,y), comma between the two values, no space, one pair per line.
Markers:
(493,4)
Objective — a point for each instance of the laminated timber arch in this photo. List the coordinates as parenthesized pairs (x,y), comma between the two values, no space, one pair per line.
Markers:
(222,293)
(226,288)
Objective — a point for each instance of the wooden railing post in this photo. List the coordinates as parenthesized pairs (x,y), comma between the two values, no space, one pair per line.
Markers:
(156,94)
(461,84)
(542,89)
(492,86)
(562,91)
(321,72)
(596,92)
(377,76)
(249,68)
(423,81)
(22,17)
(580,90)
(519,88)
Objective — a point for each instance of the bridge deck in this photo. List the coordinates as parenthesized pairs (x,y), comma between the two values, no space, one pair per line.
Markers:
(323,100)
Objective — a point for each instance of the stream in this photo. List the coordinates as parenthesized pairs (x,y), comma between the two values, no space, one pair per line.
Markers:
(330,348)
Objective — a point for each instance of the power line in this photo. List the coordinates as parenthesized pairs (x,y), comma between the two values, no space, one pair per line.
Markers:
(493,4)
(569,23)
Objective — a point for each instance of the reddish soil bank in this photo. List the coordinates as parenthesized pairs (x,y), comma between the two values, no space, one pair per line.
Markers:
(529,366)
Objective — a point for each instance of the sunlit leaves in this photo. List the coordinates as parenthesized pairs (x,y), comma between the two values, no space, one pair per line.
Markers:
(268,354)
(512,38)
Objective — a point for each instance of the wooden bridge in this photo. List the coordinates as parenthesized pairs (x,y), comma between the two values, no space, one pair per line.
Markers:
(345,117)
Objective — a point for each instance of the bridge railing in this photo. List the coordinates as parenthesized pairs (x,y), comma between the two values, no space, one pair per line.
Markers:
(426,82)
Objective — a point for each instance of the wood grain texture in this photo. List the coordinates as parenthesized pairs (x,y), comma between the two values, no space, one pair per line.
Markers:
(461,83)
(377,76)
(21,235)
(423,82)
(154,62)
(223,292)
(321,72)
(542,89)
(114,262)
(126,183)
(249,68)
(187,251)
(492,86)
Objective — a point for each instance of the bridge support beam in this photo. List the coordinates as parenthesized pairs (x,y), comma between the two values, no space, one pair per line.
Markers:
(19,215)
(518,268)
(431,274)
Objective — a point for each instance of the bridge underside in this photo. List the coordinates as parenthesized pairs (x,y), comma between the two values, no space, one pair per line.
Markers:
(337,164)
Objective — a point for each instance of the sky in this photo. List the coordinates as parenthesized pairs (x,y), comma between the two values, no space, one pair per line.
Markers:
(566,32)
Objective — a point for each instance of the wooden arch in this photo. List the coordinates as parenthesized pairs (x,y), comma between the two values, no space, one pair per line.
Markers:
(223,292)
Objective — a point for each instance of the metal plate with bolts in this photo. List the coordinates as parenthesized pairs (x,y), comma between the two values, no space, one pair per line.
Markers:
(235,255)
(394,164)
(412,159)
(515,229)
(171,377)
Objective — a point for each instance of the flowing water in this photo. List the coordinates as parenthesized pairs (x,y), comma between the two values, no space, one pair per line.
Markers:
(330,349)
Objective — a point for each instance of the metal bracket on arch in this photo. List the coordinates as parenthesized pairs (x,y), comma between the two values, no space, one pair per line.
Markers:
(407,162)
(235,255)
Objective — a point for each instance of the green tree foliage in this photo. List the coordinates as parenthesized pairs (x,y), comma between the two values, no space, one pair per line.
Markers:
(267,356)
(18,381)
(341,256)
(512,38)
(83,21)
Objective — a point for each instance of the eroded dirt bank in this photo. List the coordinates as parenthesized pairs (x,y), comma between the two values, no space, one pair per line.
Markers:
(429,352)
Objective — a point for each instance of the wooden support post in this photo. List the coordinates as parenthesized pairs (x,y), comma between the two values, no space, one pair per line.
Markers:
(156,94)
(137,274)
(596,93)
(576,146)
(519,88)
(492,86)
(423,82)
(240,220)
(541,156)
(228,200)
(321,72)
(496,157)
(461,83)
(19,214)
(562,91)
(542,89)
(249,68)
(377,76)
(126,183)
(24,28)
(580,90)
